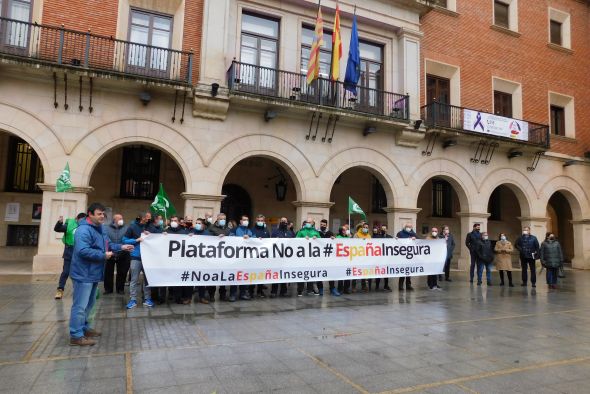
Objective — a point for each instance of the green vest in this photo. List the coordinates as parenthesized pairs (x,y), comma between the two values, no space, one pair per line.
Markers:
(71,226)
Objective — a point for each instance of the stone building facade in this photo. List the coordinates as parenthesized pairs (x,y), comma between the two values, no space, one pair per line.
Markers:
(209,98)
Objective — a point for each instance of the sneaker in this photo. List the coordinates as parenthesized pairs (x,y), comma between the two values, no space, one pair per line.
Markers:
(261,295)
(387,289)
(90,333)
(533,285)
(310,293)
(335,293)
(204,301)
(431,288)
(83,341)
(438,287)
(59,294)
(321,292)
(232,298)
(317,293)
(299,294)
(245,297)
(273,295)
(132,304)
(149,303)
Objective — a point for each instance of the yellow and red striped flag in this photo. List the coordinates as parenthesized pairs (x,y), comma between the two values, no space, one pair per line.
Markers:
(336,47)
(313,67)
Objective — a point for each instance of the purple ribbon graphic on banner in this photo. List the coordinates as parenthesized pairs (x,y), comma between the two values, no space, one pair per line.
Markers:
(478,122)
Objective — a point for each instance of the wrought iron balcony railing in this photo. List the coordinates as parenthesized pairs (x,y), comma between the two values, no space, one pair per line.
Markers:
(70,48)
(474,122)
(289,86)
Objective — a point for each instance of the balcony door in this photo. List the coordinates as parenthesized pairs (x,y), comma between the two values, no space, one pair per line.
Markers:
(150,37)
(259,53)
(14,33)
(370,92)
(322,90)
(438,98)
(503,104)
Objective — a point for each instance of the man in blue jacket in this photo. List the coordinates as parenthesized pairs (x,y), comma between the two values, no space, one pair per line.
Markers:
(528,246)
(134,236)
(91,250)
(405,233)
(243,230)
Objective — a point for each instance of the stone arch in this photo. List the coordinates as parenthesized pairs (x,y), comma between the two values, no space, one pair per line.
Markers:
(282,152)
(461,180)
(97,143)
(571,190)
(369,159)
(37,134)
(517,182)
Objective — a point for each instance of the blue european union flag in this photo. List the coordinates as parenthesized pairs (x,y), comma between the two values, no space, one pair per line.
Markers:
(353,64)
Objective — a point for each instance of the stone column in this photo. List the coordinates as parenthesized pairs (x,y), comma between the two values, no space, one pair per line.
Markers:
(581,258)
(317,210)
(398,217)
(409,68)
(48,258)
(197,205)
(468,219)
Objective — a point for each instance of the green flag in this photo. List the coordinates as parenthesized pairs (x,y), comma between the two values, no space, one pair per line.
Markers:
(162,205)
(353,207)
(64,182)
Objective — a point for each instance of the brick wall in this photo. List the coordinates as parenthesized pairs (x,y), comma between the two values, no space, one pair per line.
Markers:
(100,16)
(193,23)
(466,40)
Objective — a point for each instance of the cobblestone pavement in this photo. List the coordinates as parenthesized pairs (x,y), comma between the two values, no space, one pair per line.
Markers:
(463,339)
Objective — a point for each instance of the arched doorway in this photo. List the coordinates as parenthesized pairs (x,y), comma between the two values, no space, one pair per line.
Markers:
(127,178)
(368,189)
(20,201)
(505,211)
(439,204)
(559,214)
(259,185)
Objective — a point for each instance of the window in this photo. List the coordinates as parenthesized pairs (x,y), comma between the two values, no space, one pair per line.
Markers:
(259,48)
(15,35)
(501,14)
(140,172)
(495,205)
(503,104)
(555,32)
(19,235)
(378,197)
(442,198)
(438,90)
(442,3)
(557,120)
(24,169)
(559,28)
(320,90)
(371,80)
(153,34)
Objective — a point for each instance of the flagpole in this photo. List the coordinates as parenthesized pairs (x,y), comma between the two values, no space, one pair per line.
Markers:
(63,197)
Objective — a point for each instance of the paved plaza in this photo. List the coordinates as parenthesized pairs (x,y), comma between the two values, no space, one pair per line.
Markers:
(464,339)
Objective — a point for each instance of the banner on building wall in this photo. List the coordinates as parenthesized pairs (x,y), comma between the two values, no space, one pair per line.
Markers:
(481,122)
(182,260)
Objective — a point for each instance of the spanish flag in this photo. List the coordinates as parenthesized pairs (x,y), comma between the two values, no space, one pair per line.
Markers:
(313,67)
(336,47)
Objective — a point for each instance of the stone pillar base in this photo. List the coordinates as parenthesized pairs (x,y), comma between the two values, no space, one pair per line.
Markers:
(468,219)
(47,264)
(316,210)
(197,205)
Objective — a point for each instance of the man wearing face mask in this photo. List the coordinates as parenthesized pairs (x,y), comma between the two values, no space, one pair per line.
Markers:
(135,234)
(450,240)
(325,233)
(208,222)
(432,280)
(307,231)
(282,231)
(157,225)
(180,293)
(362,231)
(382,233)
(407,232)
(472,241)
(485,258)
(259,231)
(219,229)
(528,246)
(115,231)
(243,230)
(206,293)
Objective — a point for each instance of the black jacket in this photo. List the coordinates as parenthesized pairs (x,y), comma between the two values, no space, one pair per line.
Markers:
(60,227)
(471,241)
(283,233)
(485,251)
(260,232)
(326,234)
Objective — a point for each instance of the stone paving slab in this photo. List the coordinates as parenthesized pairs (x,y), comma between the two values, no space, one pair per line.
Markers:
(464,339)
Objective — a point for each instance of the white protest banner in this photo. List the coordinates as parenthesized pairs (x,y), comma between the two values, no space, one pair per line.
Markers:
(482,122)
(181,260)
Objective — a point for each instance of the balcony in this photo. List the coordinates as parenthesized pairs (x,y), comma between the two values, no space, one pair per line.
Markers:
(39,44)
(292,88)
(476,123)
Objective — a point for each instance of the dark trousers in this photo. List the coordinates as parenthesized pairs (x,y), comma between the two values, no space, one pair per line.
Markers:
(210,290)
(552,276)
(343,285)
(407,280)
(275,287)
(447,268)
(509,274)
(65,273)
(182,293)
(122,261)
(472,266)
(321,285)
(302,285)
(526,264)
(385,283)
(233,290)
(432,281)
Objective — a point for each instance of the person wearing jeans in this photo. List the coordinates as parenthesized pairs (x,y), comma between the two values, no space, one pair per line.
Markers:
(551,256)
(91,250)
(485,258)
(450,240)
(472,241)
(68,228)
(528,246)
(134,235)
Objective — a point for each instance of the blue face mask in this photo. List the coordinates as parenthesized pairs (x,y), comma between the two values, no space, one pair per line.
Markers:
(260,224)
(160,222)
(307,225)
(198,226)
(222,222)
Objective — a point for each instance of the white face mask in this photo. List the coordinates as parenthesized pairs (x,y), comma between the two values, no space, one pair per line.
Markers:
(347,232)
(245,223)
(434,233)
(409,229)
(174,224)
(525,232)
(485,237)
(210,220)
(120,223)
(503,238)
